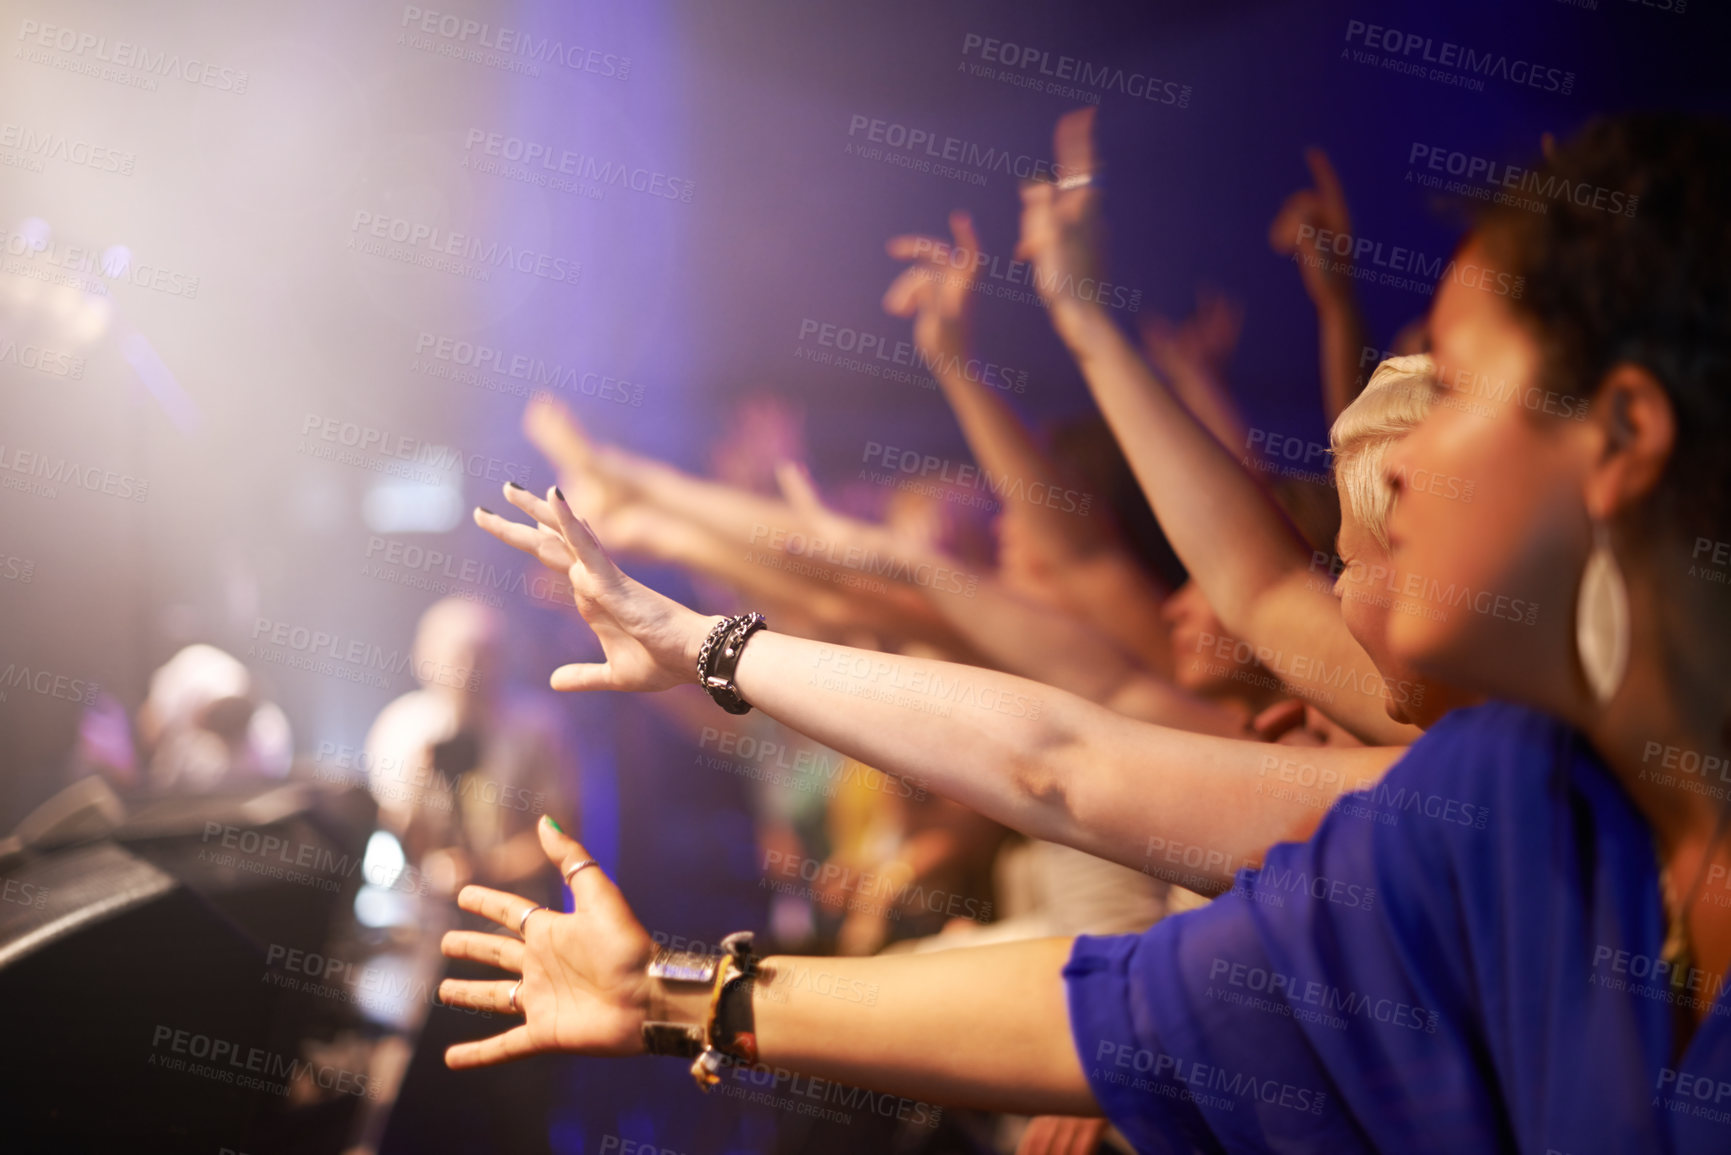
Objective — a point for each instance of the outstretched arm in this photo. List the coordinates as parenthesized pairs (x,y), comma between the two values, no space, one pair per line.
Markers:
(585,988)
(1031,757)
(1231,536)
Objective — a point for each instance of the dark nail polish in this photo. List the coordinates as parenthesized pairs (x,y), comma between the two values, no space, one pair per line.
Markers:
(484,509)
(557,492)
(512,485)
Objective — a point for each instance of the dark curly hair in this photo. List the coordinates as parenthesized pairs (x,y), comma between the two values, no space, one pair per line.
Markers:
(1610,281)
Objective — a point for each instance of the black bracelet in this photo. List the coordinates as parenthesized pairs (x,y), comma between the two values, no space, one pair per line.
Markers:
(719,658)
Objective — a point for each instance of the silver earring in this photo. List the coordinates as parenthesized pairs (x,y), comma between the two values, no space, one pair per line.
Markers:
(1602,619)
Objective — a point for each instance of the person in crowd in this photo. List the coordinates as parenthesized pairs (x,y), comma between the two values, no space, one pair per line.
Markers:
(1461,943)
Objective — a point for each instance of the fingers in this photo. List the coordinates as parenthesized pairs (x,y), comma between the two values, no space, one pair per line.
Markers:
(549,550)
(513,1044)
(908,293)
(1330,193)
(1286,714)
(493,949)
(590,887)
(794,481)
(580,676)
(505,909)
(1073,142)
(580,538)
(962,229)
(490,995)
(915,247)
(552,429)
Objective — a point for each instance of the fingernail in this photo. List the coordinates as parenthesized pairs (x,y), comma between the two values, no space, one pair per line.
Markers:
(512,485)
(552,823)
(484,509)
(560,494)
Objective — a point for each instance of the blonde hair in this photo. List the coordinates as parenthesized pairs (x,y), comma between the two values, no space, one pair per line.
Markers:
(1394,401)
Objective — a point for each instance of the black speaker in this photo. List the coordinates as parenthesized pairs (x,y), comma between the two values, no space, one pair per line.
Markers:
(136,1011)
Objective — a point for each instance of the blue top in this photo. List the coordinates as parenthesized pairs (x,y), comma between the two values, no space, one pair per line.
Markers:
(1464,959)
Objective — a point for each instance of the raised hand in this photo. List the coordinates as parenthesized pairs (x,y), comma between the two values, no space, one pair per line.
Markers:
(585,984)
(1302,226)
(937,289)
(650,641)
(1062,233)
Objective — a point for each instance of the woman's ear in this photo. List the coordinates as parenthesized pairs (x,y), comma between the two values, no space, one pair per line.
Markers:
(1638,425)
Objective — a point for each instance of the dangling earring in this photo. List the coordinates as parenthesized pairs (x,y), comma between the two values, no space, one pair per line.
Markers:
(1602,619)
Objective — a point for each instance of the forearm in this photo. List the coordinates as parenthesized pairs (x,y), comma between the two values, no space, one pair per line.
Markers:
(1225,528)
(1342,337)
(986,1028)
(1046,762)
(1023,473)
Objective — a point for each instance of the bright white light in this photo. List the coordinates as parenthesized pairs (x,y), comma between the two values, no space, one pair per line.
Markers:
(397,506)
(384,860)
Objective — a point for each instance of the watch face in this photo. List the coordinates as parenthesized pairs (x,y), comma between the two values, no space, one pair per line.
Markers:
(684,966)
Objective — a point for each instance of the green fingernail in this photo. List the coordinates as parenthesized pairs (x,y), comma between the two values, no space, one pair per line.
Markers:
(552,823)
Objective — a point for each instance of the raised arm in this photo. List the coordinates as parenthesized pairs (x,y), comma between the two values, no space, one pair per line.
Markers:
(1031,757)
(1309,227)
(1064,540)
(1237,544)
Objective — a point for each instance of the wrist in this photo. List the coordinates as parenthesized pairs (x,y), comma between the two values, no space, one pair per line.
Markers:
(1075,319)
(697,632)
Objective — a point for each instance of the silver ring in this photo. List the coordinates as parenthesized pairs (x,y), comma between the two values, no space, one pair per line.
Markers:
(524,921)
(515,1009)
(577,866)
(1075,180)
